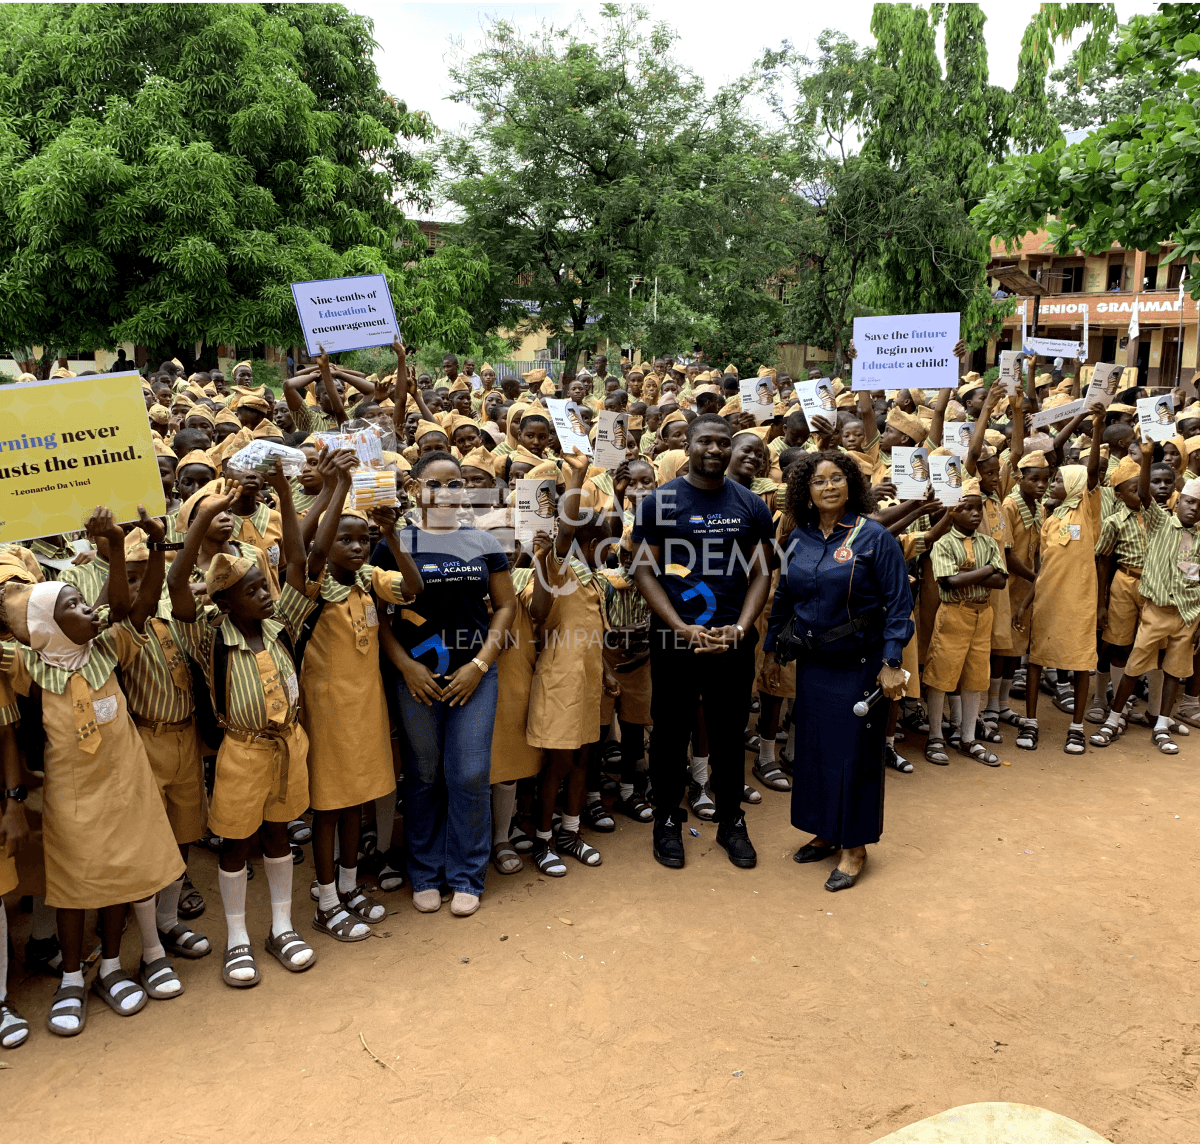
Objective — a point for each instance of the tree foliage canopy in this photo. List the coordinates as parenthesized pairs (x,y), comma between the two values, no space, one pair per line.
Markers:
(167,170)
(1136,179)
(597,165)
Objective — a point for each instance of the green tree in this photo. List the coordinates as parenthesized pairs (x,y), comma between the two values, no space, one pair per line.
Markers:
(596,161)
(1079,97)
(1134,180)
(168,170)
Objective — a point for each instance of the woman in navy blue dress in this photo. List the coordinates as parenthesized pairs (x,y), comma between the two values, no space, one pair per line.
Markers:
(843,611)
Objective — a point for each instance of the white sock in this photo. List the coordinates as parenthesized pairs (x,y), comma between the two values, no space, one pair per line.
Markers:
(9,1037)
(700,769)
(593,797)
(890,740)
(766,753)
(279,882)
(68,1024)
(993,695)
(129,997)
(626,791)
(167,912)
(327,896)
(144,912)
(954,702)
(935,700)
(1162,723)
(1101,688)
(1114,718)
(970,713)
(233,898)
(1076,726)
(385,819)
(1154,684)
(1005,688)
(504,802)
(570,823)
(347,878)
(545,835)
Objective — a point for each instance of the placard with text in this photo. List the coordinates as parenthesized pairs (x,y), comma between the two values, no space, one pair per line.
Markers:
(905,350)
(340,314)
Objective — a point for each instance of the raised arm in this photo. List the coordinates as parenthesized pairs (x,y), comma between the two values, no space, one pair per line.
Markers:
(102,524)
(150,591)
(937,427)
(293,544)
(335,399)
(386,518)
(293,387)
(1093,465)
(1147,464)
(575,467)
(978,434)
(1064,435)
(343,465)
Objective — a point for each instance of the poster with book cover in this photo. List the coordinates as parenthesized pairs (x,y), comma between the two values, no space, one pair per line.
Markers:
(817,399)
(946,476)
(612,438)
(758,397)
(1103,386)
(1156,417)
(910,472)
(1010,371)
(569,425)
(535,504)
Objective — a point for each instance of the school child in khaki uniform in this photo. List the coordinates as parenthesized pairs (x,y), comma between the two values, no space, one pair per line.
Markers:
(968,565)
(261,778)
(106,836)
(343,707)
(1063,625)
(1170,587)
(570,676)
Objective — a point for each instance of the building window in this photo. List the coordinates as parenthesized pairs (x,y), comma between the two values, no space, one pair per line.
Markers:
(1116,274)
(1150,281)
(1108,348)
(1066,280)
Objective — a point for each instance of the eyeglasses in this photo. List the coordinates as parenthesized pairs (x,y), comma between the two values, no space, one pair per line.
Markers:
(435,485)
(821,482)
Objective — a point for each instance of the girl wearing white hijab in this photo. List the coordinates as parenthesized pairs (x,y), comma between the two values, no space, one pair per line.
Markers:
(105,832)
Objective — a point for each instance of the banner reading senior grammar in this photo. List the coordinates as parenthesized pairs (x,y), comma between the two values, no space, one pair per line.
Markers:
(906,351)
(69,445)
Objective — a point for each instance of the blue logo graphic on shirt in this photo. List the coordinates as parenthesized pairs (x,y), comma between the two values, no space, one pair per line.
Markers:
(710,601)
(434,643)
(431,567)
(696,518)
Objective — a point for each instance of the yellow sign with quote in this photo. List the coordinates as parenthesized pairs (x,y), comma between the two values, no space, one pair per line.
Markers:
(69,445)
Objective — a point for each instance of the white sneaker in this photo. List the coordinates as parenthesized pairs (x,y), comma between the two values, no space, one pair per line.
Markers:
(427,901)
(464,905)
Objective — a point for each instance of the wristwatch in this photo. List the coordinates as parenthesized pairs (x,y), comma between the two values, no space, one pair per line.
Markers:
(481,664)
(165,545)
(892,663)
(17,794)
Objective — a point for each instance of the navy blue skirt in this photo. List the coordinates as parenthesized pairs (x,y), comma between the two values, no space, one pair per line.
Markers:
(837,785)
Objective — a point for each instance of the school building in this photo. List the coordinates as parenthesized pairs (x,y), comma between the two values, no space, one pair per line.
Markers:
(1062,296)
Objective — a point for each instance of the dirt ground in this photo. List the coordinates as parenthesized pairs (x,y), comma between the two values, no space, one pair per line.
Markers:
(1022,934)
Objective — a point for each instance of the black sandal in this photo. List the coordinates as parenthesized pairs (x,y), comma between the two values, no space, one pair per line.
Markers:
(69,1001)
(772,777)
(935,752)
(191,904)
(1074,739)
(1027,735)
(547,861)
(1163,741)
(635,807)
(599,819)
(810,853)
(977,751)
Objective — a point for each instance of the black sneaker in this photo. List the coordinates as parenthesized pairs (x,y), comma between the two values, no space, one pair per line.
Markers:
(737,843)
(668,839)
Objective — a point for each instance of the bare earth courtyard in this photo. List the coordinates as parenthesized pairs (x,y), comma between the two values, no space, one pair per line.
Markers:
(1022,934)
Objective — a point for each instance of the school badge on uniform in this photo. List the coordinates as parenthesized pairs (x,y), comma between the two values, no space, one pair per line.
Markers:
(843,554)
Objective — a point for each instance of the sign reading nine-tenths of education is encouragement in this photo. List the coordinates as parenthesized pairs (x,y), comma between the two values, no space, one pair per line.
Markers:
(69,445)
(339,314)
(906,350)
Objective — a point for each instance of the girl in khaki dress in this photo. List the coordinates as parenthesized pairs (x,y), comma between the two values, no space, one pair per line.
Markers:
(343,702)
(106,836)
(566,598)
(1063,628)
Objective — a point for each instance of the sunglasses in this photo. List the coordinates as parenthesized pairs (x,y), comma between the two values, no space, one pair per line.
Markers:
(435,485)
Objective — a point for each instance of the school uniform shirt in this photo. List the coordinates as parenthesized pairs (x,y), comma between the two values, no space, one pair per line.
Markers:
(263,528)
(1123,532)
(1171,574)
(447,624)
(159,683)
(707,538)
(88,579)
(957,552)
(312,419)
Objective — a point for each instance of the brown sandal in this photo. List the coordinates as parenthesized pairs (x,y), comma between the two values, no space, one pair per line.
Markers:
(338,924)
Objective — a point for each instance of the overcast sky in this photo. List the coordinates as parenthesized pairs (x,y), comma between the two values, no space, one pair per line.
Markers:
(720,41)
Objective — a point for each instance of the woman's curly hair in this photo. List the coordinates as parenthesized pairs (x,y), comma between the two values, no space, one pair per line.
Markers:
(800,508)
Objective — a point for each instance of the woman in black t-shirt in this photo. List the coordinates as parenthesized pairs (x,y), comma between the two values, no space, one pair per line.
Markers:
(445,646)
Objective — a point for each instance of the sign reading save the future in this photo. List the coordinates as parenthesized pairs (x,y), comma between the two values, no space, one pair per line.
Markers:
(339,314)
(70,444)
(905,350)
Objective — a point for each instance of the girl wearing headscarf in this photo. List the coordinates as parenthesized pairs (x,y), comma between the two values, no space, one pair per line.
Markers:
(105,832)
(1062,627)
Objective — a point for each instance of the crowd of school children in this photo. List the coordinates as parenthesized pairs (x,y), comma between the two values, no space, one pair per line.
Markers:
(415,694)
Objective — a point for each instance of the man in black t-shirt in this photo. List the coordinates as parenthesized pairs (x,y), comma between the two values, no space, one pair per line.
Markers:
(702,548)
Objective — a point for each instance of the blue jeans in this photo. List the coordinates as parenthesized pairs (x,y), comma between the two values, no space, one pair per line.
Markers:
(447,795)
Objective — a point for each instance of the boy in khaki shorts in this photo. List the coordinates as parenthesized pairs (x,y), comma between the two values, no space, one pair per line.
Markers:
(968,565)
(1170,588)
